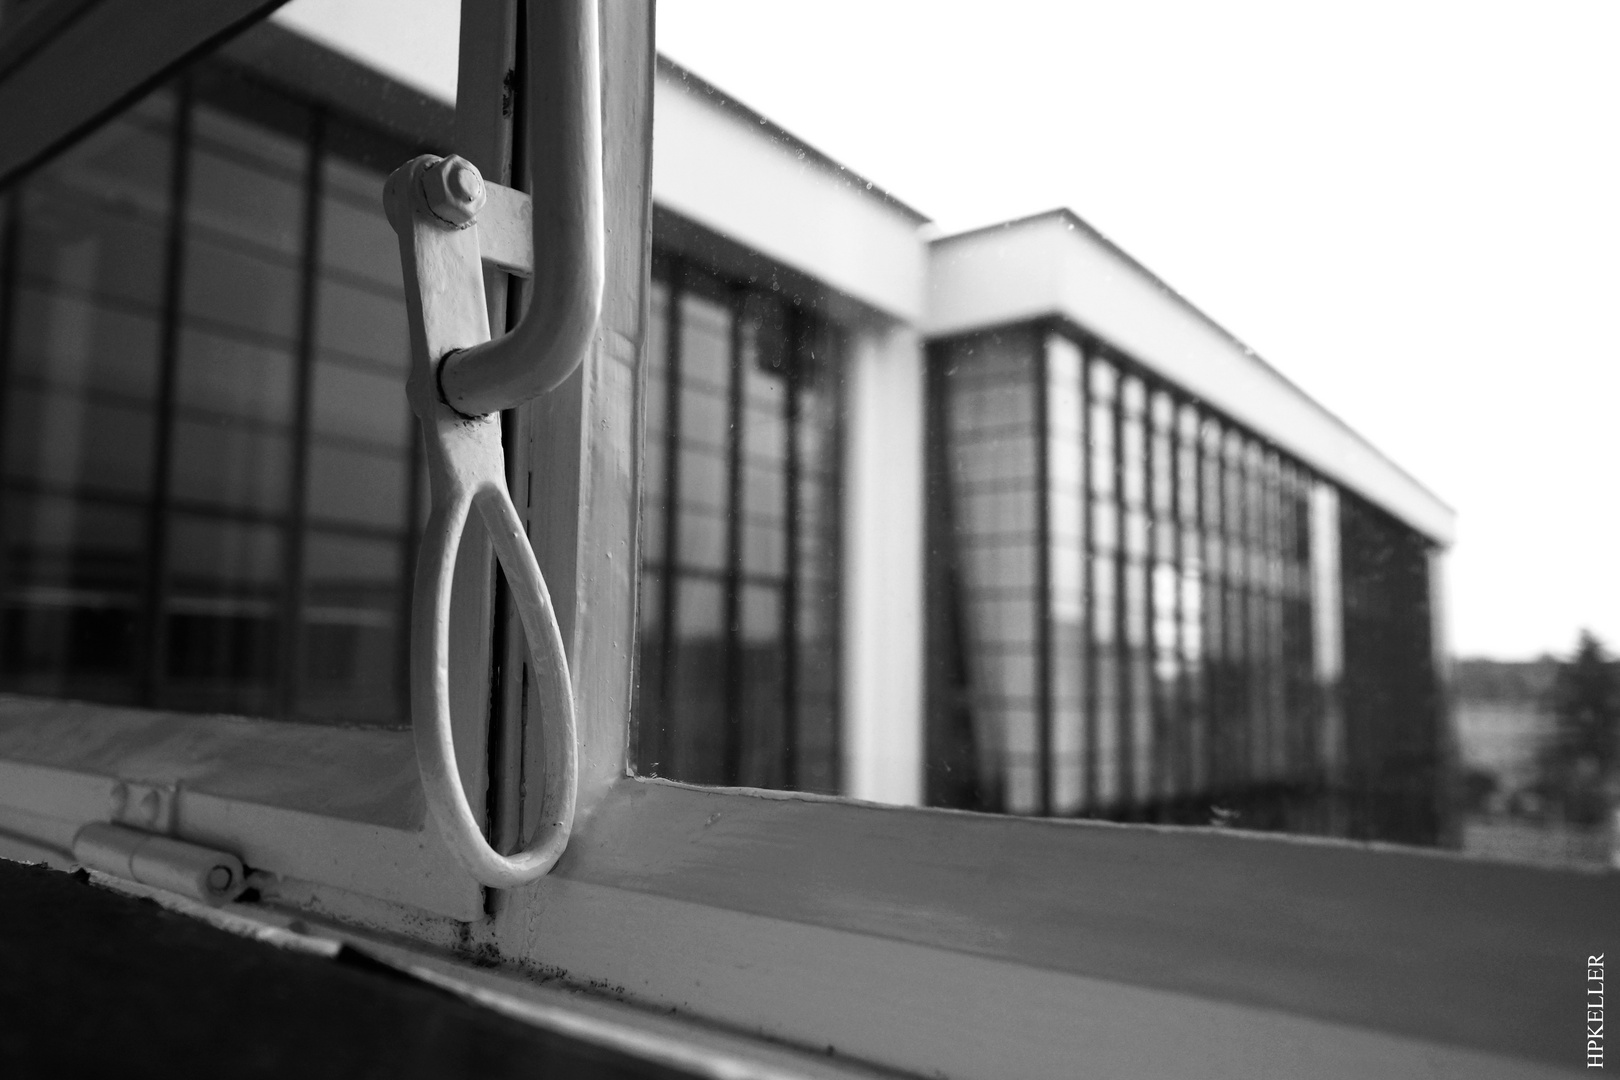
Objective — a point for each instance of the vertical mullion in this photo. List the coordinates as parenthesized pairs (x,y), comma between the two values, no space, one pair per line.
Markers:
(1283,621)
(1150,612)
(291,630)
(1293,710)
(1230,689)
(672,516)
(1310,702)
(1226,683)
(1212,528)
(1088,638)
(1043,584)
(1263,597)
(1275,672)
(10,228)
(1254,560)
(1289,617)
(1243,563)
(1198,678)
(1232,507)
(1260,614)
(1250,727)
(153,638)
(1305,670)
(832,362)
(1124,741)
(789,632)
(732,768)
(1202,781)
(1181,734)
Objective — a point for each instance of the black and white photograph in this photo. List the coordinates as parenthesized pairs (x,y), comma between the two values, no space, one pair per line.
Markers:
(809,539)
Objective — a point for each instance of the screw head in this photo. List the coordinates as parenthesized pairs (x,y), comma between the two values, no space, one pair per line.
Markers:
(455,190)
(465,183)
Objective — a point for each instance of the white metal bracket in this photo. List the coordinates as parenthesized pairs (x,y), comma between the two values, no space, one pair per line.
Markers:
(450,223)
(148,806)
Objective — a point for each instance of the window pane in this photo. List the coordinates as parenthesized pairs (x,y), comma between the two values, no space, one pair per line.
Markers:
(738,653)
(220,615)
(352,613)
(184,387)
(71,608)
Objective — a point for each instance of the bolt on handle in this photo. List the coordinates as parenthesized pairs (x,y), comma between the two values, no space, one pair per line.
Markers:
(454,190)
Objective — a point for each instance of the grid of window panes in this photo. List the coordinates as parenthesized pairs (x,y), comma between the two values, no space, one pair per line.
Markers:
(1395,745)
(1134,583)
(738,651)
(990,413)
(207,466)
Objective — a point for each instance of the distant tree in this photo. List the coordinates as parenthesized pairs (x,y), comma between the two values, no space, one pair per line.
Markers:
(1478,785)
(1581,765)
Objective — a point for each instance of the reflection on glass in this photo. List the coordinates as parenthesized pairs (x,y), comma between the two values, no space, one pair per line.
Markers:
(988,392)
(82,276)
(206,460)
(1136,639)
(737,660)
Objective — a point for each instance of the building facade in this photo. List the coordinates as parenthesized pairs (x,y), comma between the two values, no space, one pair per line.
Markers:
(995,521)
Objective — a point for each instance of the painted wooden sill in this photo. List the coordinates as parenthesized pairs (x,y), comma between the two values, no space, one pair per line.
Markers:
(923,939)
(1479,962)
(335,806)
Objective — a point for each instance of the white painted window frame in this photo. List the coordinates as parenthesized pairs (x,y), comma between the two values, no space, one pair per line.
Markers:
(935,942)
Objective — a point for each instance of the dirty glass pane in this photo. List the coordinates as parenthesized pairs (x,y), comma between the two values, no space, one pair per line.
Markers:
(737,660)
(207,461)
(82,270)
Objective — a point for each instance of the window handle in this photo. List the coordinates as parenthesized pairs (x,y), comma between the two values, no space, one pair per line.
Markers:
(564,104)
(449,224)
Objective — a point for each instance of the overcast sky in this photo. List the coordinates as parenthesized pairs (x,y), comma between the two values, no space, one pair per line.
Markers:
(1412,210)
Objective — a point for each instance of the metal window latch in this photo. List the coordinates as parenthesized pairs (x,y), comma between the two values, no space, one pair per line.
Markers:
(450,223)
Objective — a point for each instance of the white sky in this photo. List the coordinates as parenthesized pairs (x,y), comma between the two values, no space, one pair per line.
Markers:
(1412,210)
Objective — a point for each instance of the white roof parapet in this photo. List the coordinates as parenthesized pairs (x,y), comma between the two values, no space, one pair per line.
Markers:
(1054,264)
(720,164)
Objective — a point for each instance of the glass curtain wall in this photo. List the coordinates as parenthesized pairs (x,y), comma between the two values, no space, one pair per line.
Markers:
(1121,604)
(1395,752)
(206,478)
(989,412)
(738,653)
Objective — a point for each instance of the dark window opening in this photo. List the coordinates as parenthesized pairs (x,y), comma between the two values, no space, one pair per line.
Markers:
(738,654)
(208,475)
(1125,592)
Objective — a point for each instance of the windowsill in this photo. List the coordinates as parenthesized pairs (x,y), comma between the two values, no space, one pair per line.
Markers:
(337,806)
(365,775)
(701,900)
(1415,943)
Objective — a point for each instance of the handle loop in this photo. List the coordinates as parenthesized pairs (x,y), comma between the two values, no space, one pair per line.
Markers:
(469,474)
(459,377)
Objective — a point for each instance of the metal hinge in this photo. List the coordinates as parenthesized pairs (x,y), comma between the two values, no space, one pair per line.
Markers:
(161,862)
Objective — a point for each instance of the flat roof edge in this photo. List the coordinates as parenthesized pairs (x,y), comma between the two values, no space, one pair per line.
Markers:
(781,134)
(1442,530)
